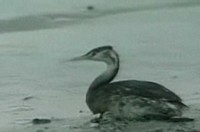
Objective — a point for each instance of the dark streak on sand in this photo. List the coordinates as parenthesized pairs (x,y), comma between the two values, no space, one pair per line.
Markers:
(50,21)
(28,98)
(38,121)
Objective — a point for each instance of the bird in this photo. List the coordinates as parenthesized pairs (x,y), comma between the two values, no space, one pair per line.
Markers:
(129,99)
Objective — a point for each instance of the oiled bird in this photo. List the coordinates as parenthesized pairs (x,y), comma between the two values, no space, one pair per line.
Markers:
(128,99)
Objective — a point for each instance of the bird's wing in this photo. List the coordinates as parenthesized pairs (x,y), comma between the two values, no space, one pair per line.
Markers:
(145,89)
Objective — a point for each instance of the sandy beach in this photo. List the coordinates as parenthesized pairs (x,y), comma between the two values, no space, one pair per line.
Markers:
(157,41)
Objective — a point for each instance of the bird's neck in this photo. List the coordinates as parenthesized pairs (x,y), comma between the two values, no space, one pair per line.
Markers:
(106,77)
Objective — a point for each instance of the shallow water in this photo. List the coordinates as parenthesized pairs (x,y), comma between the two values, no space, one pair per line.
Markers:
(156,42)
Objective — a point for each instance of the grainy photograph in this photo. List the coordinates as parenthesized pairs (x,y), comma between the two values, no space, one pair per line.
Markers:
(100,66)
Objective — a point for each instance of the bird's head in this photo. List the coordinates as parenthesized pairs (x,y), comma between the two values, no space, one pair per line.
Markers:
(104,53)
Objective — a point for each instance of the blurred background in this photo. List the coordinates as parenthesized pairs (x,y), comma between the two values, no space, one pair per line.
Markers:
(156,40)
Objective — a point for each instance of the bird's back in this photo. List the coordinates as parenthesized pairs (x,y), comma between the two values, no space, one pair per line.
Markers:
(133,94)
(146,89)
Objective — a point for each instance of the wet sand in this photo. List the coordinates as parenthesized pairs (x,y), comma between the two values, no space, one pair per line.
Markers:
(156,42)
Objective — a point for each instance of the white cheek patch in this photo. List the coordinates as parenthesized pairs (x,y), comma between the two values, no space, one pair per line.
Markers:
(98,57)
(113,56)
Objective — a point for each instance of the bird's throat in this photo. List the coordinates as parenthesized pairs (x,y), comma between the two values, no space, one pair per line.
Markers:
(106,77)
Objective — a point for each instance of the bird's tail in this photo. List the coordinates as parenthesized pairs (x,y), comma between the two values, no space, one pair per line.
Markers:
(180,119)
(180,104)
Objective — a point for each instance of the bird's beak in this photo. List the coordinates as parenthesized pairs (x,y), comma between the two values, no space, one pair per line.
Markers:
(83,57)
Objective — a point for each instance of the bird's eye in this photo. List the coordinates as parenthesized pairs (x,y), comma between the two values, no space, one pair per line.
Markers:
(93,53)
